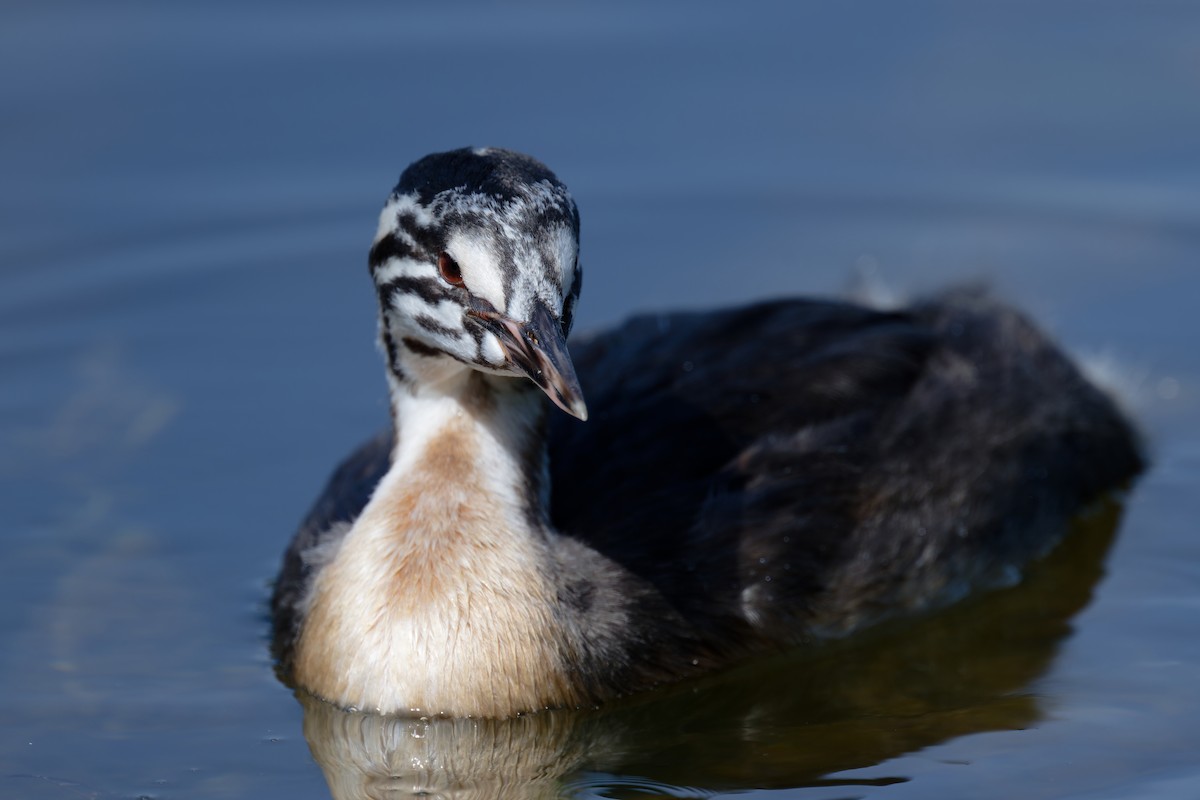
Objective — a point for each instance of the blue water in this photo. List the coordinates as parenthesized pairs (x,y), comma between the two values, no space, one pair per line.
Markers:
(187,193)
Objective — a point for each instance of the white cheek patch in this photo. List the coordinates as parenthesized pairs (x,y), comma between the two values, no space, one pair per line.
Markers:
(449,314)
(492,352)
(480,268)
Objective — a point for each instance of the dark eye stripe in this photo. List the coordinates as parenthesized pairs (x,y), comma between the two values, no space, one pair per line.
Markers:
(428,239)
(396,245)
(387,248)
(419,348)
(393,357)
(433,326)
(430,290)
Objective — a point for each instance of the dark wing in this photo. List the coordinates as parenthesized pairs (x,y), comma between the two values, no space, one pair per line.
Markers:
(797,466)
(712,434)
(803,466)
(343,500)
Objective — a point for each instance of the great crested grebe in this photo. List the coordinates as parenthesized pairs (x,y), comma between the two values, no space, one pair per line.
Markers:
(750,479)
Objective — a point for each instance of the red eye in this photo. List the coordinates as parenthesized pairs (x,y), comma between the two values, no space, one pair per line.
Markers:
(451,272)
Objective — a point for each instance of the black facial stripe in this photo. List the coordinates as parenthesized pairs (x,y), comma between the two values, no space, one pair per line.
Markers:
(387,248)
(417,347)
(477,333)
(430,240)
(431,290)
(393,357)
(394,245)
(433,326)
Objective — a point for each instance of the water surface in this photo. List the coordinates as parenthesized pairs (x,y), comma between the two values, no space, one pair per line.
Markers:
(186,340)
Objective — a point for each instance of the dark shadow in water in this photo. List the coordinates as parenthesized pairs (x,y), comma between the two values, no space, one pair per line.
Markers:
(785,722)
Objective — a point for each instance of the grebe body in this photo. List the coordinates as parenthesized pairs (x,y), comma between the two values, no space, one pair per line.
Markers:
(749,479)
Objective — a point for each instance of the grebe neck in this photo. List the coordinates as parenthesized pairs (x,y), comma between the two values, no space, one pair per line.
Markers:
(441,597)
(497,426)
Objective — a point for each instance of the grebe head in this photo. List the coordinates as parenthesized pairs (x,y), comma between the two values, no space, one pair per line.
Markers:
(476,264)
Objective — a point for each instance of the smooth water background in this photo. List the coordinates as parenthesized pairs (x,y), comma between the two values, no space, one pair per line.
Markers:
(187,193)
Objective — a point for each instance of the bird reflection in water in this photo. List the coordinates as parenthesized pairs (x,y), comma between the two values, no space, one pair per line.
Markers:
(792,721)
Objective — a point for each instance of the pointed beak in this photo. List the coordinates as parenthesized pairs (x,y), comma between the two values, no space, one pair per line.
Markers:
(539,350)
